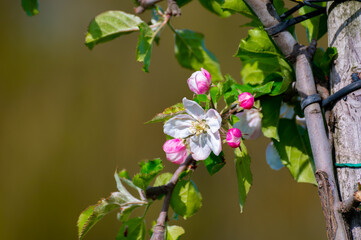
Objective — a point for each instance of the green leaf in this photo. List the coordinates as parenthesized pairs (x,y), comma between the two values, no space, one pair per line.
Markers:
(263,89)
(271,115)
(186,199)
(124,176)
(215,7)
(163,179)
(242,8)
(214,163)
(174,232)
(110,25)
(260,58)
(31,7)
(168,113)
(144,46)
(294,151)
(201,98)
(134,229)
(244,175)
(316,27)
(191,53)
(93,214)
(327,59)
(149,170)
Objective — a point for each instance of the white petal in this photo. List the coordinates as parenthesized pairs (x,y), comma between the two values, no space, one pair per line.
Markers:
(199,147)
(213,120)
(193,109)
(214,142)
(250,124)
(178,126)
(272,157)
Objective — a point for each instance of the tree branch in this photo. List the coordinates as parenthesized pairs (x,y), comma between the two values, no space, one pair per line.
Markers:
(317,133)
(172,10)
(159,228)
(351,203)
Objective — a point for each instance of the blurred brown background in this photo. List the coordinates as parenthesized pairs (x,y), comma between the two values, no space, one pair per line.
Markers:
(69,117)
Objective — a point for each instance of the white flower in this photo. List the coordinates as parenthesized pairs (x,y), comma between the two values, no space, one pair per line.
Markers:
(250,123)
(201,128)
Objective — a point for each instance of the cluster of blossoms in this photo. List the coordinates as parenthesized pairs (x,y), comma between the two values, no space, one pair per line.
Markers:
(198,131)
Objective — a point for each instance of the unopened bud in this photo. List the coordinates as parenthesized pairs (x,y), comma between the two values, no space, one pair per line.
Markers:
(175,150)
(246,100)
(200,82)
(234,136)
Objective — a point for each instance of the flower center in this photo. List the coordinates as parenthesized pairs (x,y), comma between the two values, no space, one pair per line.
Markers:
(199,127)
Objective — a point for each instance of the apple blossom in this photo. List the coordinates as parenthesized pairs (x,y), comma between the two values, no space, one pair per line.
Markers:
(246,100)
(200,81)
(199,127)
(249,123)
(175,150)
(234,136)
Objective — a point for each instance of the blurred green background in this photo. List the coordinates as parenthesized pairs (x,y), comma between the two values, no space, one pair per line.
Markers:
(69,117)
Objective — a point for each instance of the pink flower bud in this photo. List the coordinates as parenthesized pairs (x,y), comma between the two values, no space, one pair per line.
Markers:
(246,100)
(175,150)
(234,137)
(200,82)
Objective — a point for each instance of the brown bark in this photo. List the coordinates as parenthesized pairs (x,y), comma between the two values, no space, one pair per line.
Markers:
(344,33)
(321,150)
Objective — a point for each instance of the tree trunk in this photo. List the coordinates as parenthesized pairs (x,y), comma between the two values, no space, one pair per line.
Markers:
(344,33)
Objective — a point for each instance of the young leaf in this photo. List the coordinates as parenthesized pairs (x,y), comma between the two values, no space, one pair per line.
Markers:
(263,89)
(168,113)
(110,25)
(124,176)
(134,229)
(293,150)
(271,115)
(244,175)
(162,179)
(174,232)
(191,53)
(93,214)
(260,58)
(242,8)
(31,7)
(186,199)
(316,27)
(145,43)
(327,59)
(149,170)
(214,163)
(215,7)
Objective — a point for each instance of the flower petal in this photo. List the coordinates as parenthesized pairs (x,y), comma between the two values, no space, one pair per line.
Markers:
(214,142)
(213,120)
(178,126)
(199,147)
(193,109)
(250,124)
(192,83)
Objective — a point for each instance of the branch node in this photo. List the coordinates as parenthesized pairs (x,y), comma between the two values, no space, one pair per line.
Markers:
(173,8)
(351,203)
